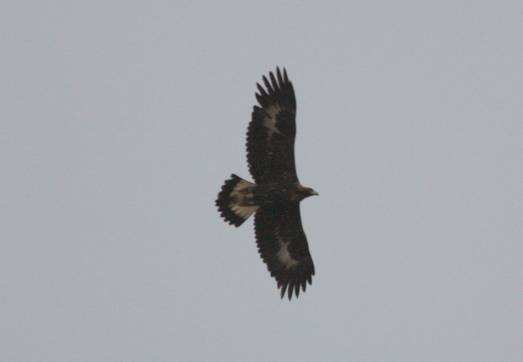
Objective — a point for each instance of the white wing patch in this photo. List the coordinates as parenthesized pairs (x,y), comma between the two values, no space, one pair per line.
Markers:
(270,120)
(284,256)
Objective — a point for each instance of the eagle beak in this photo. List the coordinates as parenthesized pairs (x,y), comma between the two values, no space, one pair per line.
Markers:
(314,193)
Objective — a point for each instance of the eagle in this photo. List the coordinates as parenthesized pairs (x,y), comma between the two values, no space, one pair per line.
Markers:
(275,197)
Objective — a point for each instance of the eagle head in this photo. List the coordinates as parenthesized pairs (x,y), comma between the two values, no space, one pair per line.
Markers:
(303,192)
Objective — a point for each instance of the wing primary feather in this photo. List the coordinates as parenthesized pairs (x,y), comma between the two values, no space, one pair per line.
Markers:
(309,279)
(285,78)
(297,289)
(260,88)
(304,285)
(273,80)
(278,74)
(260,99)
(290,290)
(283,288)
(267,84)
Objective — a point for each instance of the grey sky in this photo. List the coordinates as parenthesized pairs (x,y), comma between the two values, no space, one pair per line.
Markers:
(121,119)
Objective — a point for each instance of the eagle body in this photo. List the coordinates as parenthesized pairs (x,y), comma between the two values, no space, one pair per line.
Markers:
(275,196)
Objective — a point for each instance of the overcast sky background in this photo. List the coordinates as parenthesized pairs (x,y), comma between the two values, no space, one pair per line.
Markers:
(120,120)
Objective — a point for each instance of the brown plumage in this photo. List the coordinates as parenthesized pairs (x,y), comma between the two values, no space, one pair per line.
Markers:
(275,197)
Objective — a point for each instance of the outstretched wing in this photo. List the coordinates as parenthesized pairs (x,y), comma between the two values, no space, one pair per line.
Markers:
(272,130)
(283,247)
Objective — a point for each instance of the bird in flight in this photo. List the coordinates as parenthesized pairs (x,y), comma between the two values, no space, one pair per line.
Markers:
(275,197)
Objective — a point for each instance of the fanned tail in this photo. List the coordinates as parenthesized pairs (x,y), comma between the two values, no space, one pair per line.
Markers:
(235,201)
